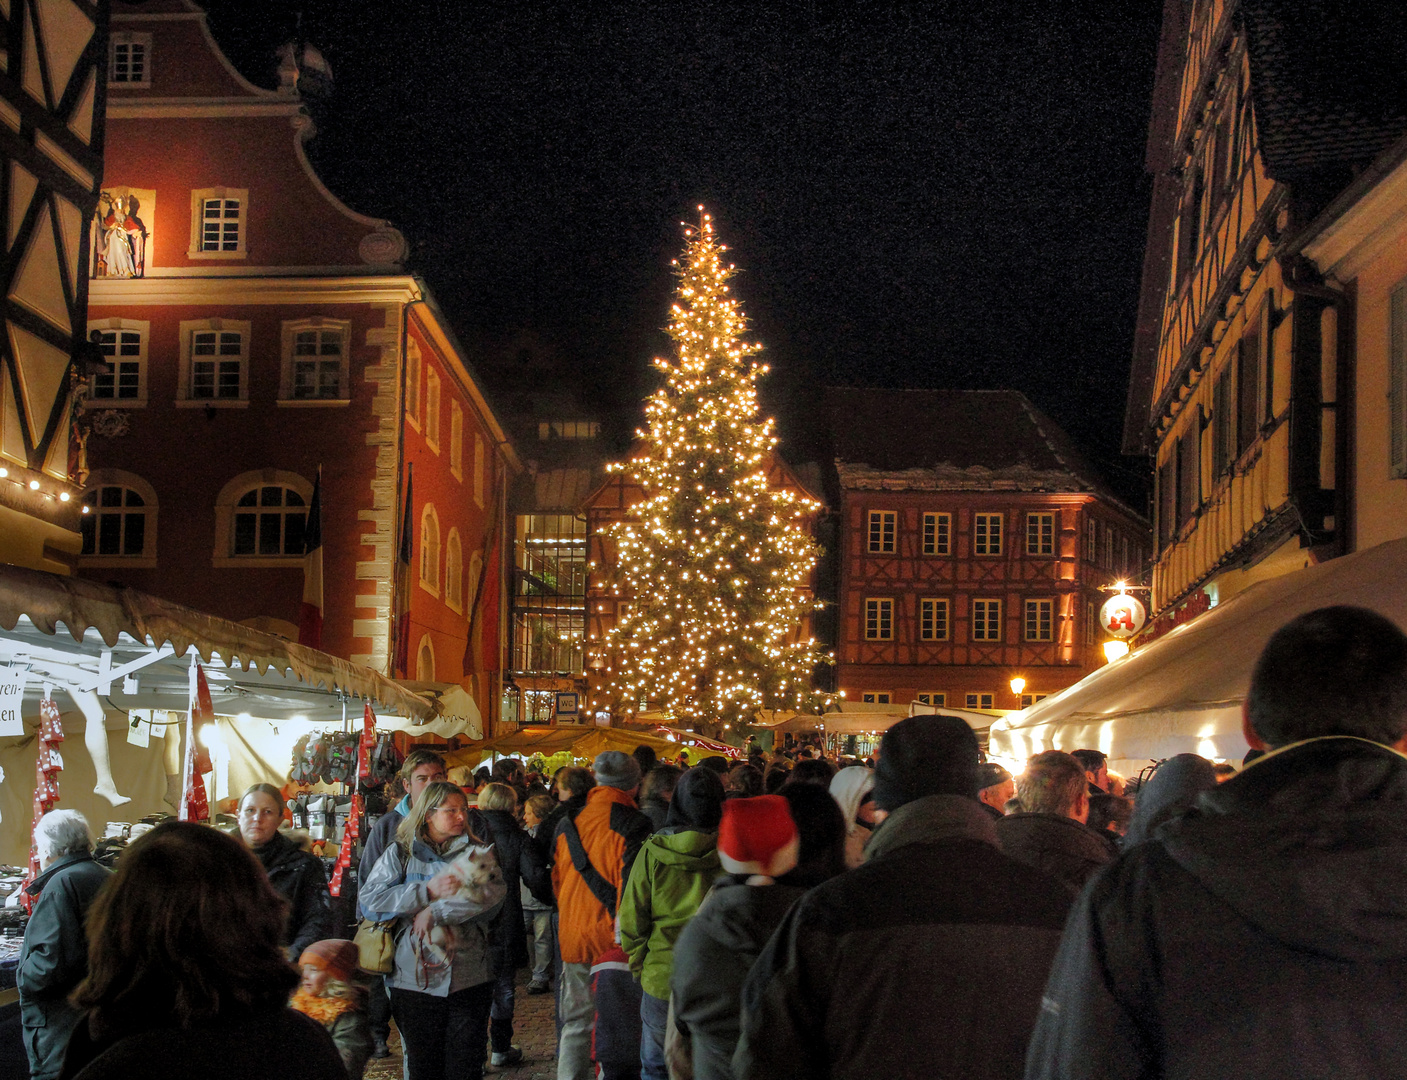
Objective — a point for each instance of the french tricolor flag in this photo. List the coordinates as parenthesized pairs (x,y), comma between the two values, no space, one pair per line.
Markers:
(310,616)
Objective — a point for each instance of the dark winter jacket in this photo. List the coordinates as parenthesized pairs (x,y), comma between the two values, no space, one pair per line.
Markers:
(1059,846)
(521,860)
(656,809)
(1262,934)
(278,1045)
(381,836)
(298,877)
(712,959)
(54,958)
(927,961)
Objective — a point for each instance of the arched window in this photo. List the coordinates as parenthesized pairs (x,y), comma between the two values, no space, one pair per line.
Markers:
(425,661)
(119,519)
(260,517)
(430,549)
(476,565)
(454,571)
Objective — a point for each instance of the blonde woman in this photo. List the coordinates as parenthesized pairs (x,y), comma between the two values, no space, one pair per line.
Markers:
(441,1008)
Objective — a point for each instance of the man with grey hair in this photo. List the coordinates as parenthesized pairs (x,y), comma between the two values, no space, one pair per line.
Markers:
(593,850)
(1051,835)
(54,956)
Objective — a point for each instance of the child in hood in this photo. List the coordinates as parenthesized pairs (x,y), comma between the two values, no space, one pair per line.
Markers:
(331,995)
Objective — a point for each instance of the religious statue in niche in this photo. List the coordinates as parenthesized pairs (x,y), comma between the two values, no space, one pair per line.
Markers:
(121,239)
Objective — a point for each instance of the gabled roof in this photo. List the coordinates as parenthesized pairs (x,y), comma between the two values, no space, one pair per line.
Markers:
(1326,81)
(954,440)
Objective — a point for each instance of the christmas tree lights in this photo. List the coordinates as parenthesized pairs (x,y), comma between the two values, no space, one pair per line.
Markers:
(715,563)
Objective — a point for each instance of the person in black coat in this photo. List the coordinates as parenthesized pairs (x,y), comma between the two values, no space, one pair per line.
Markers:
(1263,933)
(1051,835)
(522,863)
(54,956)
(295,874)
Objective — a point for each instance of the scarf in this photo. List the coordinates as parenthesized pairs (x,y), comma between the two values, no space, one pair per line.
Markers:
(325,1010)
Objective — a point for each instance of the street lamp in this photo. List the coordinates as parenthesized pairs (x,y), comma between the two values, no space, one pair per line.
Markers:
(1017,685)
(1115,649)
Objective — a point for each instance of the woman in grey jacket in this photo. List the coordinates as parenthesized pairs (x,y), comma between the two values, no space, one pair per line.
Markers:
(442,984)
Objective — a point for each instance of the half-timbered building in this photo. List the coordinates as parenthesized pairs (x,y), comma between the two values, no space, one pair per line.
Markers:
(1243,372)
(51,164)
(974,542)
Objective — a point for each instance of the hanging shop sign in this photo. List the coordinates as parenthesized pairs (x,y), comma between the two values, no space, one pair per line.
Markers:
(1123,616)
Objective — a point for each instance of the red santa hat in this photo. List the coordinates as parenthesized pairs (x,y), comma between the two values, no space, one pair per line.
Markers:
(758,836)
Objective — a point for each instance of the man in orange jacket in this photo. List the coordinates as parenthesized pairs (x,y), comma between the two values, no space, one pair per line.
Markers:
(592,854)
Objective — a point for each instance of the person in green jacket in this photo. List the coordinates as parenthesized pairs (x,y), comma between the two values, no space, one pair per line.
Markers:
(670,878)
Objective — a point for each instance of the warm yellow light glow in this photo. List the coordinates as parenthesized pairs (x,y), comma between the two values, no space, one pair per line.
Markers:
(210,736)
(34,485)
(63,496)
(1113,650)
(1017,685)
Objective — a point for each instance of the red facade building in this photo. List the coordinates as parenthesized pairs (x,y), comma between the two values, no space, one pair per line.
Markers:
(257,329)
(974,541)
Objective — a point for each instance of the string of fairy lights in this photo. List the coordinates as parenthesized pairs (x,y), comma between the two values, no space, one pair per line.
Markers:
(713,565)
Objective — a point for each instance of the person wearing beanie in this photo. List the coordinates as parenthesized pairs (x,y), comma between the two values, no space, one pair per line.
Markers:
(607,831)
(934,917)
(994,787)
(853,790)
(331,995)
(668,882)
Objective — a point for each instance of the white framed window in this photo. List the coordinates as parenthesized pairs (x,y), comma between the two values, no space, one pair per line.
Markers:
(454,571)
(1040,534)
(932,697)
(1027,700)
(1089,622)
(875,697)
(214,364)
(1039,624)
(937,534)
(1091,540)
(879,618)
(425,660)
(456,440)
(981,700)
(315,368)
(1109,548)
(430,549)
(986,620)
(260,517)
(432,408)
(118,520)
(129,60)
(124,347)
(1124,568)
(219,219)
(413,365)
(881,535)
(986,534)
(480,470)
(932,619)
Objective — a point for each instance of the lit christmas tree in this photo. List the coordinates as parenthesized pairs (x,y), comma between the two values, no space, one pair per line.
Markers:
(716,562)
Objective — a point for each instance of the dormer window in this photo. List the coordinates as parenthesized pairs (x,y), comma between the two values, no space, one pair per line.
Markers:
(129,60)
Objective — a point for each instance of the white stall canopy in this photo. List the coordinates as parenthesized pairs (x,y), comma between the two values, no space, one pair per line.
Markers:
(131,650)
(1183,692)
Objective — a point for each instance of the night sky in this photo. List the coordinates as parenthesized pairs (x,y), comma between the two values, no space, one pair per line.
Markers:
(940,195)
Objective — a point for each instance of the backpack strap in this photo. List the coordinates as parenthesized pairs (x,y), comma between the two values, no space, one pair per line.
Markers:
(599,886)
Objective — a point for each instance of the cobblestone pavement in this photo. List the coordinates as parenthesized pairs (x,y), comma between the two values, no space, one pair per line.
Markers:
(534,1031)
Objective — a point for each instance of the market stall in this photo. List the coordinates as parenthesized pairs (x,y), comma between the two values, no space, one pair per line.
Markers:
(581,742)
(117,664)
(865,721)
(1183,692)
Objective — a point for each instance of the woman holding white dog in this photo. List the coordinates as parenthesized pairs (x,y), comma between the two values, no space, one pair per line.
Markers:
(442,985)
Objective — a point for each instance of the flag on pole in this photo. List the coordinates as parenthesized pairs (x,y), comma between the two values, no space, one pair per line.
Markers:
(400,661)
(310,615)
(194,806)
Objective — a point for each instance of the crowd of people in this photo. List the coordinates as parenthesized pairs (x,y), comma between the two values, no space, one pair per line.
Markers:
(923,913)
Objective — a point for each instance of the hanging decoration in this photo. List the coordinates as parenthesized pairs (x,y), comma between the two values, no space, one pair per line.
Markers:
(47,767)
(194,805)
(351,831)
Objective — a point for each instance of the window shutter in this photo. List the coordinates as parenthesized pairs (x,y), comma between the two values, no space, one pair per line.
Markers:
(1397,385)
